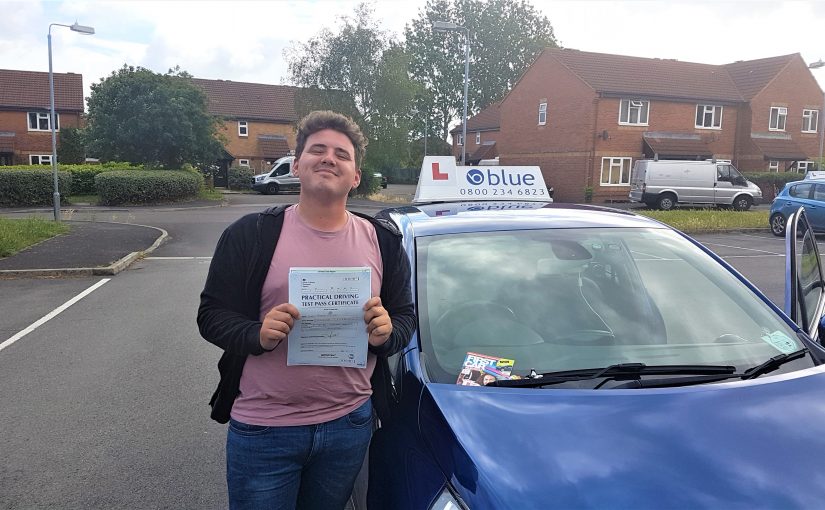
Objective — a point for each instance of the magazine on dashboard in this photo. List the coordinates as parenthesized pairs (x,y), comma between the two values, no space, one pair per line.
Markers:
(481,369)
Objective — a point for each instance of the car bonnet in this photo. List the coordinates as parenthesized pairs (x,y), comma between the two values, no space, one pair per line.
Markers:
(743,444)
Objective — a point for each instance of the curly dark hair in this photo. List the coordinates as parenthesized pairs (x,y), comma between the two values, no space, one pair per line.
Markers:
(325,119)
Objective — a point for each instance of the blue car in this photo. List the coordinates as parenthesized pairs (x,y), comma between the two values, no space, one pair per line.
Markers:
(572,356)
(809,193)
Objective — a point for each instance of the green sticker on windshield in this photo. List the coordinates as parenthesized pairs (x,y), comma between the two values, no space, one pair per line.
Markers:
(781,341)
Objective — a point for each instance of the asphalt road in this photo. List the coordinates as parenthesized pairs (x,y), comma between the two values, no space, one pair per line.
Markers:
(105,405)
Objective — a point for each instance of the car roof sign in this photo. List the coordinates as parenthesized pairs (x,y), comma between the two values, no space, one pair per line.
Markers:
(442,181)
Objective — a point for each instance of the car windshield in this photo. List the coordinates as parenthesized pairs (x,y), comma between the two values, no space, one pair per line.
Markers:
(564,299)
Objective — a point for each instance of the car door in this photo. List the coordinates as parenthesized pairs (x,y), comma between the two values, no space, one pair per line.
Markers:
(815,208)
(804,282)
(724,188)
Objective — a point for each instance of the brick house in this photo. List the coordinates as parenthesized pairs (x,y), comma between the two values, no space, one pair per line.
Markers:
(258,122)
(482,132)
(584,117)
(25,120)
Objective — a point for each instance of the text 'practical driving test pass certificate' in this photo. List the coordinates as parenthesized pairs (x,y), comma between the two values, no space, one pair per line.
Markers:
(331,330)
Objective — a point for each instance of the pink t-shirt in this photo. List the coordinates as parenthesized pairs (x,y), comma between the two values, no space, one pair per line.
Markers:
(272,393)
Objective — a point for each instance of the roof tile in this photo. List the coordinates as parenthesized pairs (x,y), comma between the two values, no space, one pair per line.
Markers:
(240,100)
(649,77)
(30,89)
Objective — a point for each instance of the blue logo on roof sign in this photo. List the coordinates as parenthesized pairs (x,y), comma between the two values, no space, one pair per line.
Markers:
(500,177)
(475,177)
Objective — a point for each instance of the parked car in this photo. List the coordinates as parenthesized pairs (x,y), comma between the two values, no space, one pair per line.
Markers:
(663,184)
(381,179)
(809,193)
(815,174)
(279,178)
(650,373)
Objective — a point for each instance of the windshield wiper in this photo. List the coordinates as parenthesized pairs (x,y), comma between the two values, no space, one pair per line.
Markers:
(773,363)
(621,371)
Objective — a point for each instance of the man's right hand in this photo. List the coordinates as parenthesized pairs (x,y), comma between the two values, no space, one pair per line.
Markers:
(277,324)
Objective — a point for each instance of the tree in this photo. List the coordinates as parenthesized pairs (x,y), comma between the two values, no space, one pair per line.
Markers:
(143,117)
(505,37)
(360,61)
(70,148)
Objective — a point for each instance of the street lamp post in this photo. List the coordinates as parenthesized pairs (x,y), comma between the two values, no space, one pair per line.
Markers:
(819,124)
(53,116)
(447,26)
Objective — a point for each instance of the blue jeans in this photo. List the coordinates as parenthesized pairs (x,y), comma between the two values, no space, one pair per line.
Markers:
(306,467)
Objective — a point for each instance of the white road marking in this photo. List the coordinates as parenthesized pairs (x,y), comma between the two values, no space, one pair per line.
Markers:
(741,248)
(54,313)
(177,258)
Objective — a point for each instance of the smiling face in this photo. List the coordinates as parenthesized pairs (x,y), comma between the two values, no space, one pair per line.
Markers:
(327,167)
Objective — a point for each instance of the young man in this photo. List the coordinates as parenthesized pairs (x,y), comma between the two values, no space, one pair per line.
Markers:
(298,434)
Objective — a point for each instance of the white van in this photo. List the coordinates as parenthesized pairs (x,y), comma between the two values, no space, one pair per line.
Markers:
(663,184)
(279,178)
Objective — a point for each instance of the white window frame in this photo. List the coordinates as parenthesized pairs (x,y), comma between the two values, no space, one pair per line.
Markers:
(781,118)
(715,112)
(243,128)
(642,106)
(243,162)
(42,159)
(542,113)
(773,166)
(460,139)
(478,137)
(810,120)
(803,167)
(616,164)
(43,116)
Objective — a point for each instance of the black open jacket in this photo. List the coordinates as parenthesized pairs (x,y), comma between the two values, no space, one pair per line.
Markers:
(228,315)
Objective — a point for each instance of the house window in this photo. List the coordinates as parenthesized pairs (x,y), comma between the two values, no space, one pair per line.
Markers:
(243,128)
(460,139)
(39,121)
(810,121)
(615,171)
(478,137)
(40,159)
(633,112)
(542,114)
(778,116)
(805,166)
(708,116)
(243,162)
(773,166)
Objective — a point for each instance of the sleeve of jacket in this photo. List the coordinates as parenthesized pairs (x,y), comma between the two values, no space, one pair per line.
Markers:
(224,314)
(396,297)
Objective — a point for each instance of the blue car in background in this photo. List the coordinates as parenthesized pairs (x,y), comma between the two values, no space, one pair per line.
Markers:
(809,193)
(575,356)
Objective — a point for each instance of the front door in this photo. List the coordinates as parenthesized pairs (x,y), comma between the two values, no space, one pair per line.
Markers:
(221,177)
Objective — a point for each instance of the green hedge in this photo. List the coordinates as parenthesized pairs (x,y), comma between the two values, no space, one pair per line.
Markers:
(31,185)
(147,186)
(771,183)
(240,177)
(83,176)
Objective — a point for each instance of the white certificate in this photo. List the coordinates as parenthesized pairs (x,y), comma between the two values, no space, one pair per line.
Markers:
(331,330)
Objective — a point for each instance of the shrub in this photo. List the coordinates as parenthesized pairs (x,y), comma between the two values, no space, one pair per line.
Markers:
(83,176)
(146,186)
(31,185)
(240,177)
(771,183)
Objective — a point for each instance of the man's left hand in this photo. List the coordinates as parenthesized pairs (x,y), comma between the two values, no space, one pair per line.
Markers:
(379,325)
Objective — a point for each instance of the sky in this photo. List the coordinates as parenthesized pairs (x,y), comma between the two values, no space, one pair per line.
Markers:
(245,40)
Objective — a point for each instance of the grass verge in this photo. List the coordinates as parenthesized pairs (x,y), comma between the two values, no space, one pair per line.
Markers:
(210,194)
(18,234)
(709,220)
(83,199)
